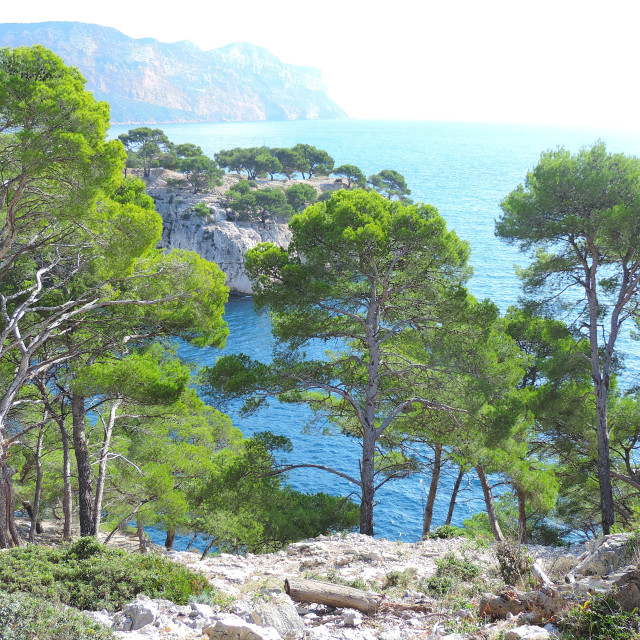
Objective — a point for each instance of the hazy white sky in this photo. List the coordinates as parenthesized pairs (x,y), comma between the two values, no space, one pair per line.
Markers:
(548,61)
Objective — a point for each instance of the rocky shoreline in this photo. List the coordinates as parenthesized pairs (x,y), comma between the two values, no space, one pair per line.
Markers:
(257,607)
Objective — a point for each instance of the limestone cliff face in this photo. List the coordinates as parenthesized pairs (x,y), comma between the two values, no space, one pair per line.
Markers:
(213,237)
(146,81)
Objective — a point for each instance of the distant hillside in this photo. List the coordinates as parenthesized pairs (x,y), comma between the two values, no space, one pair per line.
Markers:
(147,81)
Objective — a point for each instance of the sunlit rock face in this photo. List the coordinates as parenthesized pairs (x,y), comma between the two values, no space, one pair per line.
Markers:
(146,81)
(212,236)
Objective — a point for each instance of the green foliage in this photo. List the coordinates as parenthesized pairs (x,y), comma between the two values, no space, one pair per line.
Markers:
(451,565)
(335,578)
(399,579)
(291,161)
(50,127)
(144,145)
(450,572)
(133,191)
(88,576)
(154,376)
(353,175)
(300,195)
(390,183)
(262,204)
(632,550)
(245,506)
(254,161)
(201,209)
(445,531)
(23,617)
(242,187)
(318,161)
(515,564)
(578,216)
(599,619)
(213,598)
(200,172)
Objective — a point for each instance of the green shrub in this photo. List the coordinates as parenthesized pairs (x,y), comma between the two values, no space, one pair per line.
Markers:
(514,563)
(450,572)
(445,531)
(86,575)
(176,183)
(450,565)
(438,585)
(599,619)
(201,209)
(23,617)
(401,579)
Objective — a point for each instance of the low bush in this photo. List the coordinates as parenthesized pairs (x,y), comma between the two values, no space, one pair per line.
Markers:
(201,209)
(88,576)
(445,531)
(599,619)
(450,573)
(514,563)
(23,617)
(450,565)
(399,579)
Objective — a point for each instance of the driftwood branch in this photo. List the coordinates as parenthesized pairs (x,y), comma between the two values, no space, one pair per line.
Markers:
(334,595)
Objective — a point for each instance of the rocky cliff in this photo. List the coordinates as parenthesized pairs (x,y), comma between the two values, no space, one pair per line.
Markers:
(146,81)
(211,236)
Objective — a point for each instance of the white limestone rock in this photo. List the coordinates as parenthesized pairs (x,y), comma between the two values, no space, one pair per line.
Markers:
(280,614)
(527,633)
(351,618)
(231,627)
(604,555)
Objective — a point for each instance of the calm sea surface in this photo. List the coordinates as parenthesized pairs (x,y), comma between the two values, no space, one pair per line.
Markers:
(465,170)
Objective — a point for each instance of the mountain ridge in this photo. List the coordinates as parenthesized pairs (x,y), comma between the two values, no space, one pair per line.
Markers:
(150,82)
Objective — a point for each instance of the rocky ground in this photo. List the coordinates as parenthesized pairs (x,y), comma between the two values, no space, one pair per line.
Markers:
(400,575)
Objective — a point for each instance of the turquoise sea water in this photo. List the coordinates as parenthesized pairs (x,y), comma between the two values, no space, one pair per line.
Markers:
(463,169)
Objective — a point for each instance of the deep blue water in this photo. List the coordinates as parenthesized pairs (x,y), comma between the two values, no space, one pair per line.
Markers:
(464,170)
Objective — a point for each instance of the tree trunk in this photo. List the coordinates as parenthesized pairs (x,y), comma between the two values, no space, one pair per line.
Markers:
(491,507)
(604,462)
(522,516)
(141,535)
(433,488)
(367,478)
(454,496)
(5,508)
(7,475)
(26,505)
(38,491)
(193,539)
(102,467)
(5,540)
(170,539)
(204,553)
(334,595)
(85,502)
(67,498)
(600,373)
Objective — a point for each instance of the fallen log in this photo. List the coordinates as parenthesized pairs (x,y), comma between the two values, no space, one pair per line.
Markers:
(334,595)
